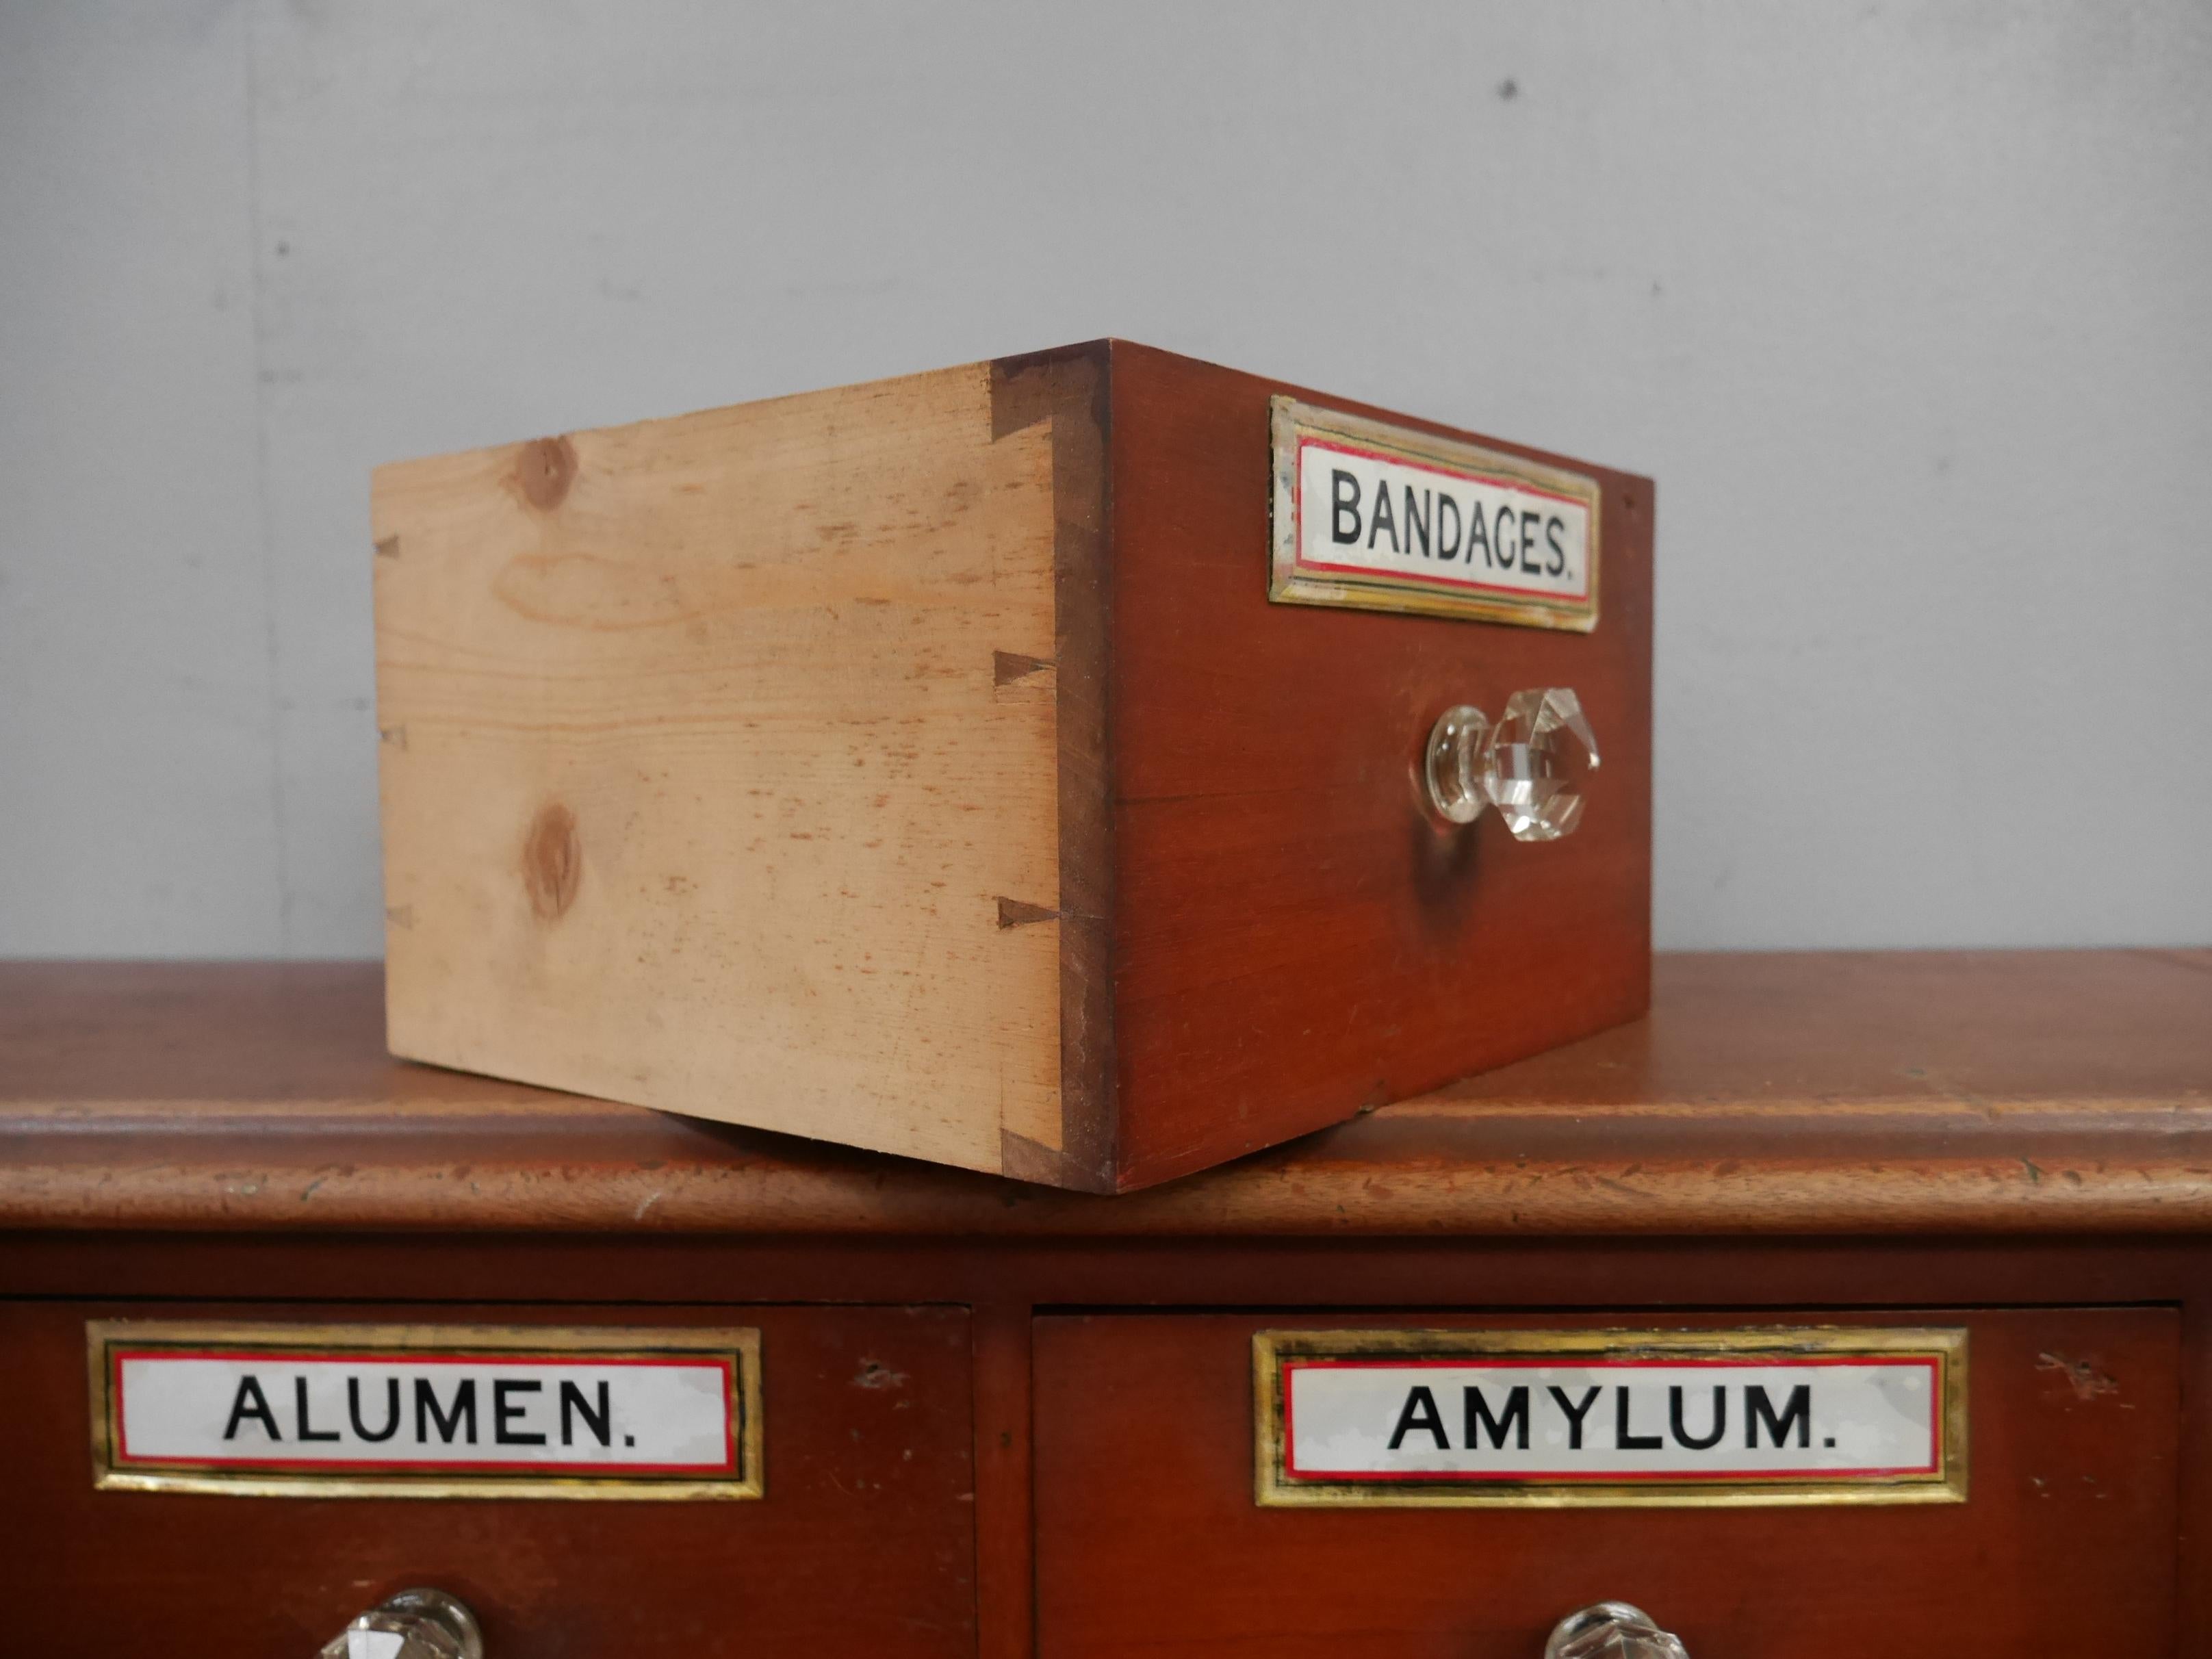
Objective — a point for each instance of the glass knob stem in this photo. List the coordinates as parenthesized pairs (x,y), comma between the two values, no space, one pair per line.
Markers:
(1454,763)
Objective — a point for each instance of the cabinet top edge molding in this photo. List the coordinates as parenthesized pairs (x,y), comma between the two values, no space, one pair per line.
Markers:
(1815,1093)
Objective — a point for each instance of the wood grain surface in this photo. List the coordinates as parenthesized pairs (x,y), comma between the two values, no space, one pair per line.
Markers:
(1143,1477)
(1916,1092)
(704,782)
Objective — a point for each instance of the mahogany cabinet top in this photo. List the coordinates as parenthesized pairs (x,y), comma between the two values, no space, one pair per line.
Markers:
(2002,1091)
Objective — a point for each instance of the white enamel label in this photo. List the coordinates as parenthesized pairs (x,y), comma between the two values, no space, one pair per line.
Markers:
(658,1416)
(1614,1417)
(1630,1419)
(1362,512)
(1380,517)
(350,1404)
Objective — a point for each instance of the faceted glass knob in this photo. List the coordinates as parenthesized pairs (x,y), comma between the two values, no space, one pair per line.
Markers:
(416,1624)
(1611,1630)
(1522,765)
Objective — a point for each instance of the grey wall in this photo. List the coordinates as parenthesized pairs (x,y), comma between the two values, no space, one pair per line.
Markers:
(1904,305)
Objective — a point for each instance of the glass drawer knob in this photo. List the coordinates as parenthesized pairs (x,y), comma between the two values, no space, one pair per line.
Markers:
(1611,1630)
(416,1624)
(1523,765)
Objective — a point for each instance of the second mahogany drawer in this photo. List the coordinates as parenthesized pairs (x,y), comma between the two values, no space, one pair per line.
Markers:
(1145,1478)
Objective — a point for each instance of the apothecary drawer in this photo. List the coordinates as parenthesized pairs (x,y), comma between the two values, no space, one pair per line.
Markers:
(2035,1513)
(768,1480)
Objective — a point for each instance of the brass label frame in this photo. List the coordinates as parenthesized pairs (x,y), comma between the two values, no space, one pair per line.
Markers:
(106,1340)
(1946,1346)
(1291,424)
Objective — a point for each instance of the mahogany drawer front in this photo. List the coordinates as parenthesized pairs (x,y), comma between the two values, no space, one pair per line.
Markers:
(2065,1544)
(863,1540)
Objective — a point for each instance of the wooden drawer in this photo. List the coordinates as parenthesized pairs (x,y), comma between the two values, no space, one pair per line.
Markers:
(863,1542)
(924,765)
(1149,1538)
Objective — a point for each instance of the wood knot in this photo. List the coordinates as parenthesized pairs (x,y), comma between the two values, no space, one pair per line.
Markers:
(552,862)
(544,471)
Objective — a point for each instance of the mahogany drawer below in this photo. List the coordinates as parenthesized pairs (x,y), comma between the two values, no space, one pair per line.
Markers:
(862,1541)
(1150,1538)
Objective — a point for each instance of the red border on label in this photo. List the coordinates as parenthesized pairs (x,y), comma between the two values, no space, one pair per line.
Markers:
(724,1362)
(1612,1477)
(1449,584)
